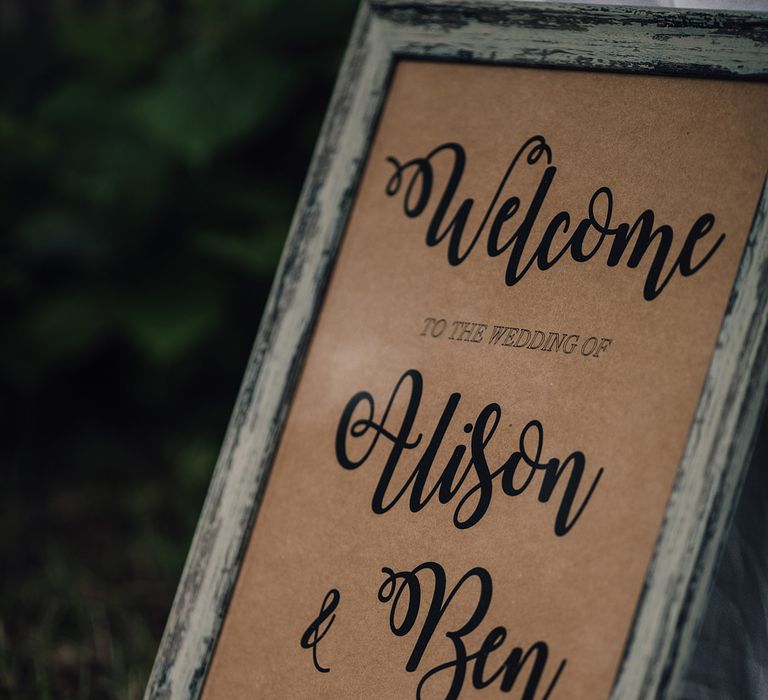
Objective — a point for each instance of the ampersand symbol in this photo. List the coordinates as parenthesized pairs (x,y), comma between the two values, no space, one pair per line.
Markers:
(314,634)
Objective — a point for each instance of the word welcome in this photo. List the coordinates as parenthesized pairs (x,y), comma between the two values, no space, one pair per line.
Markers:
(466,476)
(584,241)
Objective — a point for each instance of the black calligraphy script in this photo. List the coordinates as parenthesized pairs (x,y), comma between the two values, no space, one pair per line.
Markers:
(415,178)
(404,591)
(466,476)
(314,634)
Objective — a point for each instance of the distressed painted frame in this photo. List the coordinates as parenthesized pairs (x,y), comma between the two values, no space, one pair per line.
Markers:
(625,39)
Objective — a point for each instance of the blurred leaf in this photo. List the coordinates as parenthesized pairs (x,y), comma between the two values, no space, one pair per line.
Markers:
(78,106)
(22,137)
(59,235)
(205,101)
(100,158)
(120,170)
(259,253)
(213,21)
(168,322)
(112,44)
(67,323)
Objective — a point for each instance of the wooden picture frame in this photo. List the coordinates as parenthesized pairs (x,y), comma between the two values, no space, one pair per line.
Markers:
(633,40)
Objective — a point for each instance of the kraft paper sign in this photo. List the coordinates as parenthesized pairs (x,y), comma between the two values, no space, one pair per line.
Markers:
(499,388)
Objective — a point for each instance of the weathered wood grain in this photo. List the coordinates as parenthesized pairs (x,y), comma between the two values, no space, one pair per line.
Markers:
(492,31)
(590,37)
(270,377)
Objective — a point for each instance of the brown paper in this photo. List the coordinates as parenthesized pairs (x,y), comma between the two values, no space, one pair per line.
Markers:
(681,147)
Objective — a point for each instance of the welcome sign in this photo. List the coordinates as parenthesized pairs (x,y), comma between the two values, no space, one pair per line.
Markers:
(500,388)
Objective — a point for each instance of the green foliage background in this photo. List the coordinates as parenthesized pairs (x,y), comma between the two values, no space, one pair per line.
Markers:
(151,154)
